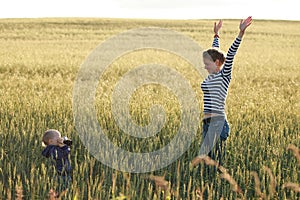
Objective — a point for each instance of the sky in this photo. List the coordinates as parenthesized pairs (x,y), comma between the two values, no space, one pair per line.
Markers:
(152,9)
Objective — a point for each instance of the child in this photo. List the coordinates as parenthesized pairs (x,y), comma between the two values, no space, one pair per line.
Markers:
(59,153)
(215,89)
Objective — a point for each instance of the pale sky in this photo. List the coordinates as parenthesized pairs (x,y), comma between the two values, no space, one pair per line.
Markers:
(152,9)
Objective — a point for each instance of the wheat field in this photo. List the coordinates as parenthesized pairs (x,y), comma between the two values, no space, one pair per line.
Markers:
(39,63)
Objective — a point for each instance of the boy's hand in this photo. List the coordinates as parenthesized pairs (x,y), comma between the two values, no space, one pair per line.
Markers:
(60,142)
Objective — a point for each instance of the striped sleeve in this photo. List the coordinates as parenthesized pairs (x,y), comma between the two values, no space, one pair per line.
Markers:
(227,68)
(215,43)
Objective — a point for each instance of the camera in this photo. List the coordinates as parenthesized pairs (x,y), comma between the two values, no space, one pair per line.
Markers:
(67,141)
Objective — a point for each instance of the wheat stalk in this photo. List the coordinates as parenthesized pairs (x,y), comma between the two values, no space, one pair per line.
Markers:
(199,194)
(257,185)
(19,191)
(114,180)
(8,194)
(294,186)
(56,195)
(235,187)
(206,159)
(52,195)
(189,187)
(295,151)
(160,182)
(272,184)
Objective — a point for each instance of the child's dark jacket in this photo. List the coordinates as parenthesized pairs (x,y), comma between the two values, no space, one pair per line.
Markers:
(60,156)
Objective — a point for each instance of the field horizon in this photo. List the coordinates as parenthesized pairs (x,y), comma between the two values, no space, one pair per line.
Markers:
(142,19)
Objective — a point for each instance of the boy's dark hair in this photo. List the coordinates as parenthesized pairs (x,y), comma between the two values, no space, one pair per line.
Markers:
(215,54)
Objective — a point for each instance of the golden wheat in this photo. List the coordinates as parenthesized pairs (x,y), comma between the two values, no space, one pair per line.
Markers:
(39,62)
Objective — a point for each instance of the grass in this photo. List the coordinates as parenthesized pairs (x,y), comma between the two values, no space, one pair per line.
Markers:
(39,62)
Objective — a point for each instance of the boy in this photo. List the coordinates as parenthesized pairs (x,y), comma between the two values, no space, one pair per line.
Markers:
(59,153)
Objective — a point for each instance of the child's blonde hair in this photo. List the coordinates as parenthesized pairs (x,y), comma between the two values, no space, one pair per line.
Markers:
(49,135)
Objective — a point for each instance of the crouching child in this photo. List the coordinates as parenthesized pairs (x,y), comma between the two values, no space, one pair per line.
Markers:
(58,152)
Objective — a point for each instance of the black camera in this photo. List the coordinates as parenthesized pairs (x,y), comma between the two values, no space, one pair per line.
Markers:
(67,141)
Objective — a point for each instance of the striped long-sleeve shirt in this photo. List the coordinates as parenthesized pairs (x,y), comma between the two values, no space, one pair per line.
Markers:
(215,86)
